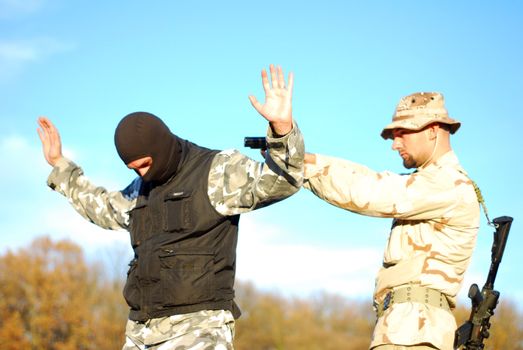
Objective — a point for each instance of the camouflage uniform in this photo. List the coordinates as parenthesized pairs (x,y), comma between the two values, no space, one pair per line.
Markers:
(237,184)
(436,219)
(207,329)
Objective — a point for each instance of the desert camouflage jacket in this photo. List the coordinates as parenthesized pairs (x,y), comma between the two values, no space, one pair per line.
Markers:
(237,184)
(436,219)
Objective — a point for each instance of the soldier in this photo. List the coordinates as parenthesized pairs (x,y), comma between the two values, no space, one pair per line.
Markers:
(182,213)
(435,221)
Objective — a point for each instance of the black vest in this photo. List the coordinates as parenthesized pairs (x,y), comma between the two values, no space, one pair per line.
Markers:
(185,251)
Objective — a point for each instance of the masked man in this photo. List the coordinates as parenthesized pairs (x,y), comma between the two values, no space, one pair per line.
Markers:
(182,213)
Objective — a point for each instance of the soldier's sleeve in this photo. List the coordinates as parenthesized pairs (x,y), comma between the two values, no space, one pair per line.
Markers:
(354,187)
(109,210)
(238,184)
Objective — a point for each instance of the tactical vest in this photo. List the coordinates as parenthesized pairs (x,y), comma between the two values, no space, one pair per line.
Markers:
(185,251)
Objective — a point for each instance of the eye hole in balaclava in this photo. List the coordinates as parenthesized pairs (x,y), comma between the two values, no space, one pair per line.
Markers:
(143,134)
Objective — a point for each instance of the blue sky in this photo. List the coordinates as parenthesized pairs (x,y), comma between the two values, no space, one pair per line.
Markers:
(193,63)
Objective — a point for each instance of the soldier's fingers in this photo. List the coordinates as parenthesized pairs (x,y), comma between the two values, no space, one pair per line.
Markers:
(47,124)
(274,77)
(42,124)
(48,129)
(290,86)
(45,121)
(56,134)
(265,81)
(53,131)
(281,79)
(41,135)
(43,131)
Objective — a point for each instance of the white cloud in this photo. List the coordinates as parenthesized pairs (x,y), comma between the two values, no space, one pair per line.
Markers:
(16,54)
(31,49)
(13,143)
(30,209)
(300,269)
(265,255)
(23,158)
(62,221)
(293,269)
(26,161)
(16,51)
(12,8)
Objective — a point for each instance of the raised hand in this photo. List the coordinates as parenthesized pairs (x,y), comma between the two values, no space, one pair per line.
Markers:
(51,143)
(277,108)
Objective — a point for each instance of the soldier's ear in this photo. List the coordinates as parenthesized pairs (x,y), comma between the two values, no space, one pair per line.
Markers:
(433,131)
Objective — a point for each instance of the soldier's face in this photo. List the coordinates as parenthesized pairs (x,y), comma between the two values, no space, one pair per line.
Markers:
(141,165)
(412,146)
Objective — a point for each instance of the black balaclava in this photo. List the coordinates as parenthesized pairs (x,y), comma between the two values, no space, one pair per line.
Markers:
(142,134)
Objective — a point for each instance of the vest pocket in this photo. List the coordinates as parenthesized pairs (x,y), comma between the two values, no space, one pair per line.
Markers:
(131,292)
(178,211)
(186,277)
(138,222)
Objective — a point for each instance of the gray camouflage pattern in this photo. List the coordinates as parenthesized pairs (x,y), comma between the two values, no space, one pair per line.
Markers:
(207,329)
(237,184)
(106,209)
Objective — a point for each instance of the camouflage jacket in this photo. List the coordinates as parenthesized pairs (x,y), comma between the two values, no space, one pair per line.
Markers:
(436,219)
(237,184)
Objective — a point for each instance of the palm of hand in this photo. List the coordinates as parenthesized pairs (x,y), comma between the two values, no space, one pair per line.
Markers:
(277,106)
(51,143)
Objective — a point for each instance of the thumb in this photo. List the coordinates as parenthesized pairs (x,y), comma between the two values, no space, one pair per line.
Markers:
(257,105)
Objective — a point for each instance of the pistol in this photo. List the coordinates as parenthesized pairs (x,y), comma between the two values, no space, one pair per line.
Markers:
(255,142)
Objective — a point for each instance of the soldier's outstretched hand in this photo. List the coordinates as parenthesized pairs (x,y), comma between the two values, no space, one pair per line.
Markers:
(51,143)
(277,108)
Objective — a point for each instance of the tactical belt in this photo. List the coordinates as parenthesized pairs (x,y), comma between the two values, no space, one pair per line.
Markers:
(413,293)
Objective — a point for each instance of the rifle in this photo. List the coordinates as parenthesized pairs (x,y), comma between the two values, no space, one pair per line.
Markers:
(472,333)
(255,142)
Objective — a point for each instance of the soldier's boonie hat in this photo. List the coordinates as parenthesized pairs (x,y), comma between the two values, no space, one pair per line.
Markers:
(416,111)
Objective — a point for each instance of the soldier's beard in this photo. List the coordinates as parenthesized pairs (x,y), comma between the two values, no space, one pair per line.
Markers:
(409,162)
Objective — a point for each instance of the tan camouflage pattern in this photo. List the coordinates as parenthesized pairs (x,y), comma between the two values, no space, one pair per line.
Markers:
(418,110)
(208,329)
(436,220)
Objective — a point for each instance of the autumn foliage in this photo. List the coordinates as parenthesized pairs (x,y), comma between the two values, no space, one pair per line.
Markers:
(325,322)
(52,298)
